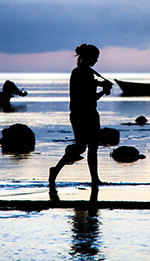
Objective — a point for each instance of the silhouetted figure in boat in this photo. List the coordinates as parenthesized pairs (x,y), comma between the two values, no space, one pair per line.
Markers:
(84,116)
(9,90)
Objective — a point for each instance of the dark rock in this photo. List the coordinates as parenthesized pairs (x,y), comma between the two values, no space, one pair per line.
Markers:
(109,136)
(141,120)
(126,154)
(18,138)
(142,156)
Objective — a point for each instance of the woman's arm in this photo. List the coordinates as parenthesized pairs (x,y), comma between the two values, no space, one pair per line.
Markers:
(99,94)
(106,85)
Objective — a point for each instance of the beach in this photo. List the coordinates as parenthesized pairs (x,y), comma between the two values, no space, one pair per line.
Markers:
(72,233)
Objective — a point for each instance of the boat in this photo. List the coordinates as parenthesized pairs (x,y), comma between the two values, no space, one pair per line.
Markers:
(134,88)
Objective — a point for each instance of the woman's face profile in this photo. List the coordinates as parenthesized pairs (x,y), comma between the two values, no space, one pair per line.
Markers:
(92,59)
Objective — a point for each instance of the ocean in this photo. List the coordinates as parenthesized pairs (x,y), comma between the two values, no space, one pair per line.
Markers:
(70,234)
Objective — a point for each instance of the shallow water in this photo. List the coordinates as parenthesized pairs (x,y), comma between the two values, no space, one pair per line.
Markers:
(58,234)
(55,234)
(46,111)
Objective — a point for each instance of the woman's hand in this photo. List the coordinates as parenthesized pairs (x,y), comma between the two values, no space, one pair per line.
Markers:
(107,86)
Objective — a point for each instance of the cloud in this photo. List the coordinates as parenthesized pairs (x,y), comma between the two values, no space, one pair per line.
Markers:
(40,35)
(117,59)
(47,26)
(39,62)
(112,59)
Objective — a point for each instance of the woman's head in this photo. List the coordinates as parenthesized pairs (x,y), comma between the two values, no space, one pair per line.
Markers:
(87,54)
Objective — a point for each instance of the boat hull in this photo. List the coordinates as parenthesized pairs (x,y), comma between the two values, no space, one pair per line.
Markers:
(133,88)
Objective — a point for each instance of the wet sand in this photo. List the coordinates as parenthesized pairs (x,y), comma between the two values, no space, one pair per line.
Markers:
(112,196)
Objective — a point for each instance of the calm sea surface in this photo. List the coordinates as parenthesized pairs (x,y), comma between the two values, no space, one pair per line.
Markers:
(58,234)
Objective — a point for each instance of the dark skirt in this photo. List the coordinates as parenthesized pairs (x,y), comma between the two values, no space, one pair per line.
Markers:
(86,127)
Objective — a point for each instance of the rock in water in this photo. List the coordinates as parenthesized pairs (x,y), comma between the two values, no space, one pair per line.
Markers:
(18,138)
(109,136)
(141,120)
(126,154)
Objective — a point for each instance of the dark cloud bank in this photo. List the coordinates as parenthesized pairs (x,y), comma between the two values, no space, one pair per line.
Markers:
(45,27)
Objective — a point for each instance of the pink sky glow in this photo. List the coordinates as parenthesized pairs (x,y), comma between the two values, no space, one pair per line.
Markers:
(112,59)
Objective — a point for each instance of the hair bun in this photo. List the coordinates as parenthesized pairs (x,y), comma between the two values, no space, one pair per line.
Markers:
(77,50)
(80,50)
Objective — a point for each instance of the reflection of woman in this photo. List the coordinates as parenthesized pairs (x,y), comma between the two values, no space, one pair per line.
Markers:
(86,235)
(84,116)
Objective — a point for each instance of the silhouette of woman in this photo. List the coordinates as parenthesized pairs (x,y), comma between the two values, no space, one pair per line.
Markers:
(83,114)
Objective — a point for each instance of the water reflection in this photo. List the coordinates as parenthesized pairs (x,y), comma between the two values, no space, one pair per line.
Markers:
(86,231)
(8,107)
(85,234)
(53,194)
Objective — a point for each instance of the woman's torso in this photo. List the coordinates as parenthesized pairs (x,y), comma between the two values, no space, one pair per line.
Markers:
(82,90)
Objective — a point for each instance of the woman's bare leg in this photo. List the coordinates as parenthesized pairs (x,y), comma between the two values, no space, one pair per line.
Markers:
(93,166)
(68,157)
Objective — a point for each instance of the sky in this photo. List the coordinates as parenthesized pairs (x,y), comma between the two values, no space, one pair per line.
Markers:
(41,35)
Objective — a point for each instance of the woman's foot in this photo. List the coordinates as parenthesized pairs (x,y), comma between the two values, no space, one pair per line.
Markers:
(52,176)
